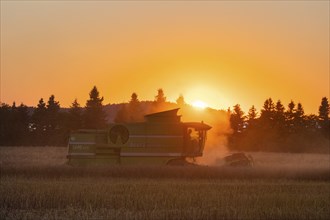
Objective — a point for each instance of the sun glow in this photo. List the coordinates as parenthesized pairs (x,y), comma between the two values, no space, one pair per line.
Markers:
(199,104)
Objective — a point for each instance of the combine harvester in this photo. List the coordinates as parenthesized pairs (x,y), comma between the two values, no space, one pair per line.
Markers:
(162,139)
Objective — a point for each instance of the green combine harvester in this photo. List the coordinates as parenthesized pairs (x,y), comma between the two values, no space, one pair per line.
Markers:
(162,139)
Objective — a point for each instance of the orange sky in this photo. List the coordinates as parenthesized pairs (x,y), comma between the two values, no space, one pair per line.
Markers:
(219,52)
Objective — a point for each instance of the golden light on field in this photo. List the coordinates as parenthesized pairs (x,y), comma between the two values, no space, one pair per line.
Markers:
(199,104)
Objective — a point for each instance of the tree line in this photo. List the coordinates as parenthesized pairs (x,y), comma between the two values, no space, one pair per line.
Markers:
(275,128)
(49,124)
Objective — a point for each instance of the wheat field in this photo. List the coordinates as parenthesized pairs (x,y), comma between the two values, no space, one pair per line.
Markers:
(37,184)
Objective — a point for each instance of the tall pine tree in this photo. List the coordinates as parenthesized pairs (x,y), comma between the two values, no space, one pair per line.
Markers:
(252,116)
(160,97)
(299,117)
(237,119)
(5,112)
(75,116)
(268,113)
(279,115)
(39,123)
(134,110)
(20,122)
(53,108)
(180,101)
(94,114)
(324,110)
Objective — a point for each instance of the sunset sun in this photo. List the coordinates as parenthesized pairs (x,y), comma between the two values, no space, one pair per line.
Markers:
(199,104)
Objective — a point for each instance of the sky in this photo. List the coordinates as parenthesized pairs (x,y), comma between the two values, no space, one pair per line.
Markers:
(219,52)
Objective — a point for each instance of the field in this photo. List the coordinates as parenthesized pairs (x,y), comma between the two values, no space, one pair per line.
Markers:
(37,184)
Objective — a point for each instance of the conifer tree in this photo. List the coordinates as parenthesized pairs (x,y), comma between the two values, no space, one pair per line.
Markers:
(279,108)
(237,119)
(75,116)
(252,116)
(94,115)
(4,123)
(268,113)
(290,115)
(39,116)
(324,110)
(299,111)
(159,103)
(299,114)
(39,123)
(180,101)
(134,111)
(53,108)
(279,115)
(291,111)
(134,98)
(20,122)
(298,118)
(160,97)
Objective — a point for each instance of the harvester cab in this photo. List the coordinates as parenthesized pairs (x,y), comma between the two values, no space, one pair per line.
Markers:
(161,139)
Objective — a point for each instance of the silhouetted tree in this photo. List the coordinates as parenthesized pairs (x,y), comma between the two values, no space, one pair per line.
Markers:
(180,101)
(159,103)
(290,114)
(324,110)
(291,111)
(279,109)
(20,122)
(299,111)
(75,116)
(39,123)
(53,108)
(130,112)
(279,115)
(134,110)
(160,97)
(4,124)
(280,130)
(299,117)
(39,116)
(268,109)
(14,122)
(134,98)
(267,113)
(252,116)
(13,126)
(94,115)
(237,119)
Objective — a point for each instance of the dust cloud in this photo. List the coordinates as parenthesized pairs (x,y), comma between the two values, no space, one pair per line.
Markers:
(216,143)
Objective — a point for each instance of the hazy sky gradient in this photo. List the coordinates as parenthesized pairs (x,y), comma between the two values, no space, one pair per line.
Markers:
(219,52)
